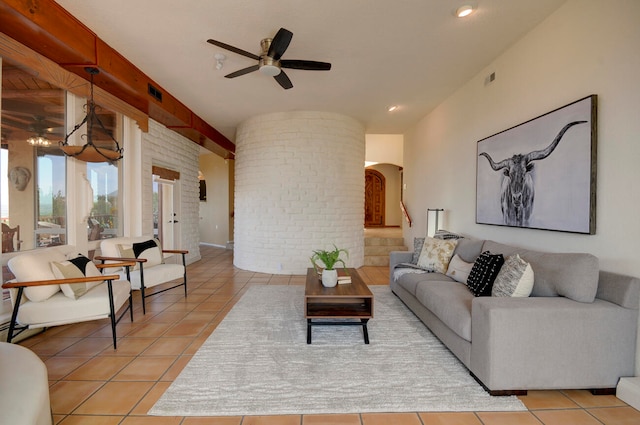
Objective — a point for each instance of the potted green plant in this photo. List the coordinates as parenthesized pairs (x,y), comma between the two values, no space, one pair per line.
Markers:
(329,259)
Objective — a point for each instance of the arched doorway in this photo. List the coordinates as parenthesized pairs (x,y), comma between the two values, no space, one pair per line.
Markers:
(374,189)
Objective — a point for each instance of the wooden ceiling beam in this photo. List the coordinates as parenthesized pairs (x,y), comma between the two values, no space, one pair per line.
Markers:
(47,28)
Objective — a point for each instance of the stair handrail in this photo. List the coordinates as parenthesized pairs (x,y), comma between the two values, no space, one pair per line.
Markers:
(405,213)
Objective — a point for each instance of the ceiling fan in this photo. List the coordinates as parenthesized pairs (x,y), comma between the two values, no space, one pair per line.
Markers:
(270,62)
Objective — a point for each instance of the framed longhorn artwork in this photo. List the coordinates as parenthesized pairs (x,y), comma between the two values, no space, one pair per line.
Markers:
(541,174)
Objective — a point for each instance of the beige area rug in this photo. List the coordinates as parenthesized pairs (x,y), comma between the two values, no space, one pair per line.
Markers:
(257,362)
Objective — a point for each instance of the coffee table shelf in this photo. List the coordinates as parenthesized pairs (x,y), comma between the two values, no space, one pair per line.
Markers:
(342,302)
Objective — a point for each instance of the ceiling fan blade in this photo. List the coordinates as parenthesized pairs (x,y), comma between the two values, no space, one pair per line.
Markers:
(242,71)
(280,43)
(233,49)
(283,80)
(306,65)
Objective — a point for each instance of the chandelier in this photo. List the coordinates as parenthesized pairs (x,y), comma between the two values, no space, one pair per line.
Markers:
(89,152)
(38,141)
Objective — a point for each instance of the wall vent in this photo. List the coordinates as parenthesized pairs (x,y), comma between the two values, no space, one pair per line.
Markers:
(155,93)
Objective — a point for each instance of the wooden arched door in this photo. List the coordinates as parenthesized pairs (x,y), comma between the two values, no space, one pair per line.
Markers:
(374,187)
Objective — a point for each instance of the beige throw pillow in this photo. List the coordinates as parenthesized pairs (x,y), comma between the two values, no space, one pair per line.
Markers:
(436,254)
(459,269)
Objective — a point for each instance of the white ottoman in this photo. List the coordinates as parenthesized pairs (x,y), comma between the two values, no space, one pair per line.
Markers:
(24,387)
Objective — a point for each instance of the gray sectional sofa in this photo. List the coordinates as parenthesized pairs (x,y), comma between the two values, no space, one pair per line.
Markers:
(577,330)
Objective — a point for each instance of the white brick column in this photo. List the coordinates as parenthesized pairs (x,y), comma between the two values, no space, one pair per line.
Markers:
(299,186)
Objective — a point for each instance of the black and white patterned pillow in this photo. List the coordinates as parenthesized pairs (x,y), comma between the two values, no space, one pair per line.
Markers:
(418,243)
(484,273)
(445,234)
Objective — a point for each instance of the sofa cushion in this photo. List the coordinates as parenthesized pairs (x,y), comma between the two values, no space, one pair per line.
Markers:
(80,266)
(571,275)
(484,273)
(33,266)
(459,269)
(436,254)
(450,302)
(515,278)
(469,249)
(409,281)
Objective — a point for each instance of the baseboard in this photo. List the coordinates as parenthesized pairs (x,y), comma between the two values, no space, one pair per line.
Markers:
(628,390)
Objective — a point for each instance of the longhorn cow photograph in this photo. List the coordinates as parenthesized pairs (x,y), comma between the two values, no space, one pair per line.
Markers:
(541,174)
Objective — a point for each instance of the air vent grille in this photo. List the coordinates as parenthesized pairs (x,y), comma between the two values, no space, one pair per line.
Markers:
(155,93)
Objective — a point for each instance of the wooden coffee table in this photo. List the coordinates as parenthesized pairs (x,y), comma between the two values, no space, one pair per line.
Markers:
(343,302)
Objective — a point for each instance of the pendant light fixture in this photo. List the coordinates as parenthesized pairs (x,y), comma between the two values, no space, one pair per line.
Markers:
(89,152)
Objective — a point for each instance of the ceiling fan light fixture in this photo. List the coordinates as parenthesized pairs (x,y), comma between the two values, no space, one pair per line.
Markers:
(464,11)
(270,70)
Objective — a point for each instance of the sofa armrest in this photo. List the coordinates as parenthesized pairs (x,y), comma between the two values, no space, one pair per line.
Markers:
(551,343)
(619,289)
(397,257)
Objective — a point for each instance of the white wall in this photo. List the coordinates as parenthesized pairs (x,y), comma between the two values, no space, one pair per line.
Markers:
(384,148)
(586,47)
(214,213)
(166,148)
(299,186)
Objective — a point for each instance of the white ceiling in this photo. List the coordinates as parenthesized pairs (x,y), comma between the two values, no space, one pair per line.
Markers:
(410,53)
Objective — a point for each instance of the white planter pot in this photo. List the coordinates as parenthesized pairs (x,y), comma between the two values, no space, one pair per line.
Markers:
(330,278)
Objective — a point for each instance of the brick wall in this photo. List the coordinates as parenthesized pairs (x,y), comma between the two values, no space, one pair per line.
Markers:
(299,186)
(166,148)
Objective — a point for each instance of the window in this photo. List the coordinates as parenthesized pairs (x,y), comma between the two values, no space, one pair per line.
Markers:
(33,174)
(104,218)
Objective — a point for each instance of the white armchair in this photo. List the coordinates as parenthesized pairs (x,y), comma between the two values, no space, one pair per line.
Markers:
(55,286)
(151,269)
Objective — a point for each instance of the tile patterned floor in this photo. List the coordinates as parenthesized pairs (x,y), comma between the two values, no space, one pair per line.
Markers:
(91,383)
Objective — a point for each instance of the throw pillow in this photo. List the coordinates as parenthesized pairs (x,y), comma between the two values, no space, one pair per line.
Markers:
(149,250)
(445,234)
(515,278)
(80,266)
(484,273)
(459,269)
(417,249)
(436,254)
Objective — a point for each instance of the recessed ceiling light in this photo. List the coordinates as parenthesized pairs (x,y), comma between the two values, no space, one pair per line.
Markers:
(392,108)
(463,11)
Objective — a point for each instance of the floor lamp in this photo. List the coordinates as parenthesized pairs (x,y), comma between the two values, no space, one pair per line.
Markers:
(434,220)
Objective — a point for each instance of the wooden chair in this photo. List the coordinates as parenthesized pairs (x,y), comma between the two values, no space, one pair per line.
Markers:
(8,234)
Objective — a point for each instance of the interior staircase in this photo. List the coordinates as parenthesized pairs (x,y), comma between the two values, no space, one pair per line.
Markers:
(379,242)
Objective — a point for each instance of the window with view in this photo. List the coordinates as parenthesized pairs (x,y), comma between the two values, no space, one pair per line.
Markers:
(33,178)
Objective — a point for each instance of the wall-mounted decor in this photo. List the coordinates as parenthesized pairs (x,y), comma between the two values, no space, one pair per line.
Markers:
(203,190)
(541,174)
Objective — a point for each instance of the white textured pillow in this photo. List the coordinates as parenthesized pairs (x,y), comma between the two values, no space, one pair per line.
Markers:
(436,254)
(459,269)
(515,278)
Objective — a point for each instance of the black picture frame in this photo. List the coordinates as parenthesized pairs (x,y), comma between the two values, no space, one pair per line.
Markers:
(541,174)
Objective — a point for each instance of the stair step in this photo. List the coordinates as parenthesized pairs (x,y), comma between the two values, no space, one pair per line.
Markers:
(383,249)
(383,241)
(377,249)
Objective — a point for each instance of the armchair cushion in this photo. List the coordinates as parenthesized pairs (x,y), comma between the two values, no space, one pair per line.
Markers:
(60,309)
(36,266)
(80,266)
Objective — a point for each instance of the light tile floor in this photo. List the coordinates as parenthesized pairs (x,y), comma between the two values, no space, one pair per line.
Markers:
(91,383)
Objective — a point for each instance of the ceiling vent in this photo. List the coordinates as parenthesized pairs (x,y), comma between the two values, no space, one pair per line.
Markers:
(155,93)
